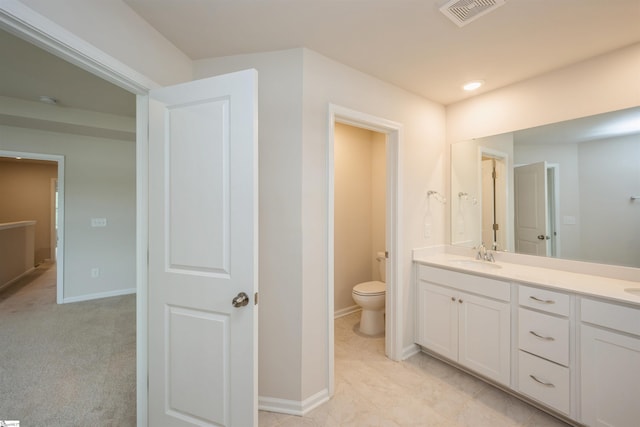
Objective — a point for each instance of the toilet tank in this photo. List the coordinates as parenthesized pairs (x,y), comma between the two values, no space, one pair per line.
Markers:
(381,258)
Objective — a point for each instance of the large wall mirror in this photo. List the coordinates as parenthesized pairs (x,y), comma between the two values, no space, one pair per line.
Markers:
(569,190)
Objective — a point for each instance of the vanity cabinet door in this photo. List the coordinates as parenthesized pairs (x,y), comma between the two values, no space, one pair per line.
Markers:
(484,333)
(610,374)
(437,319)
(468,329)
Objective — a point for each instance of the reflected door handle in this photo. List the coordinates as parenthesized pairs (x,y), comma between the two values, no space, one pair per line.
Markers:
(543,237)
(241,300)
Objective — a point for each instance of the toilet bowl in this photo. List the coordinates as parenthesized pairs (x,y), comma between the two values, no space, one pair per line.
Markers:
(370,296)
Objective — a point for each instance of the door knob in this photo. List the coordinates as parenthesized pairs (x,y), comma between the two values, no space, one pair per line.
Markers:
(543,237)
(241,300)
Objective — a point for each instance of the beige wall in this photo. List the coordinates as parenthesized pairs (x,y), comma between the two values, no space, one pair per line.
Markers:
(25,191)
(359,209)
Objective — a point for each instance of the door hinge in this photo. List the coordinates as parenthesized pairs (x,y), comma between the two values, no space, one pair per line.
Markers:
(496,227)
(494,175)
(255,299)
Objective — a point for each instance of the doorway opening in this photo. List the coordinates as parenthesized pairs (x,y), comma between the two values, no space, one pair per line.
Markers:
(494,179)
(389,132)
(43,33)
(32,175)
(553,189)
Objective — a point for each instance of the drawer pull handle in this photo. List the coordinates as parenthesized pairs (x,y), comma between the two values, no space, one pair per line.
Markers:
(541,382)
(541,337)
(543,301)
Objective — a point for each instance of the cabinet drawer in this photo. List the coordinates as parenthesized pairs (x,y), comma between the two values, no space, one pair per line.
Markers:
(544,381)
(619,317)
(544,335)
(545,300)
(479,285)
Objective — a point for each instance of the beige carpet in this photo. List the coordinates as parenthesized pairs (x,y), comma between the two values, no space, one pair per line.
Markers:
(66,365)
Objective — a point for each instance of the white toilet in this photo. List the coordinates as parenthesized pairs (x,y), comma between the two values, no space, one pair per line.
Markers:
(371,297)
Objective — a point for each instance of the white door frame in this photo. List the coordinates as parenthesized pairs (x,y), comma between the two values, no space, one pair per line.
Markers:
(394,323)
(23,22)
(508,223)
(53,230)
(60,259)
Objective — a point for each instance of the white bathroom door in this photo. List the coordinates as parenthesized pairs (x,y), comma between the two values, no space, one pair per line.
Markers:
(203,231)
(531,221)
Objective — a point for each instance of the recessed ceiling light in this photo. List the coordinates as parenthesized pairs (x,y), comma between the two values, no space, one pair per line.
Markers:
(473,85)
(48,100)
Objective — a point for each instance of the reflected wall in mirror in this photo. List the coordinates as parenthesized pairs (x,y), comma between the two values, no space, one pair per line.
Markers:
(565,190)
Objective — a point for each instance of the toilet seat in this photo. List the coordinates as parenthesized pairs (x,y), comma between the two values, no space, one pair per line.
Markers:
(370,288)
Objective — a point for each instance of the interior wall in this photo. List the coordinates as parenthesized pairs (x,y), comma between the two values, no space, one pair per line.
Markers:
(25,191)
(609,173)
(117,30)
(280,223)
(99,183)
(359,210)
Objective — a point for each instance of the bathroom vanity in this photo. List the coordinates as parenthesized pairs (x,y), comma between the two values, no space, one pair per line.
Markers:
(567,342)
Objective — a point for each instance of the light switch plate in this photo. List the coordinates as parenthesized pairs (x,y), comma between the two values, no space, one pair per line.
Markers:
(98,222)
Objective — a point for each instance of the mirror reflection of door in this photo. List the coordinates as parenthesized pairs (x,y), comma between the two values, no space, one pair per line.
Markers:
(494,201)
(531,209)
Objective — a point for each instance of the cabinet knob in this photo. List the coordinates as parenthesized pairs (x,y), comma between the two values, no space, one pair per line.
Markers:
(460,301)
(453,299)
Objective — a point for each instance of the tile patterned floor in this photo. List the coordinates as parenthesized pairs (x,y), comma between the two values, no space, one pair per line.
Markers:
(372,390)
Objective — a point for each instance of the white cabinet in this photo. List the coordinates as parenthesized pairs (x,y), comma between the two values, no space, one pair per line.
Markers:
(610,364)
(543,347)
(465,327)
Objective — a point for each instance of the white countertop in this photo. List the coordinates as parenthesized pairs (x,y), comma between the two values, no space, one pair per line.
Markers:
(582,284)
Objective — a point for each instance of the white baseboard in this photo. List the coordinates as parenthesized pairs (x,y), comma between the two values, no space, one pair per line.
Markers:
(293,407)
(15,279)
(409,351)
(346,311)
(99,295)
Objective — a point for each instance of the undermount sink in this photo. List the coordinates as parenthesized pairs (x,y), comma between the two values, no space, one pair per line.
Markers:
(476,264)
(633,291)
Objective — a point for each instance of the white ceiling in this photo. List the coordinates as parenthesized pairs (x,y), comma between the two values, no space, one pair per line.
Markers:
(405,42)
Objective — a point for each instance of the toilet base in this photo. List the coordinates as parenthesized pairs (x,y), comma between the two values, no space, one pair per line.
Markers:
(372,322)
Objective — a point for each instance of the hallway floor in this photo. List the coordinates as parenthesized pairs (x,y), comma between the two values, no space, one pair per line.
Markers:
(66,365)
(372,390)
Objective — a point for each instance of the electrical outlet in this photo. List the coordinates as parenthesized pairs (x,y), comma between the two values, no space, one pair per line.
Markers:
(95,272)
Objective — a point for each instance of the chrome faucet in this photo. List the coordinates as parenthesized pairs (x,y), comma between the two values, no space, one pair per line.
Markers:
(484,253)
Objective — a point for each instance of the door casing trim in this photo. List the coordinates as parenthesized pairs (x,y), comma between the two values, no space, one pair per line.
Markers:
(24,22)
(394,296)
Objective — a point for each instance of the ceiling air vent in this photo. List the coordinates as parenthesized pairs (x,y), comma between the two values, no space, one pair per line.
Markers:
(461,12)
